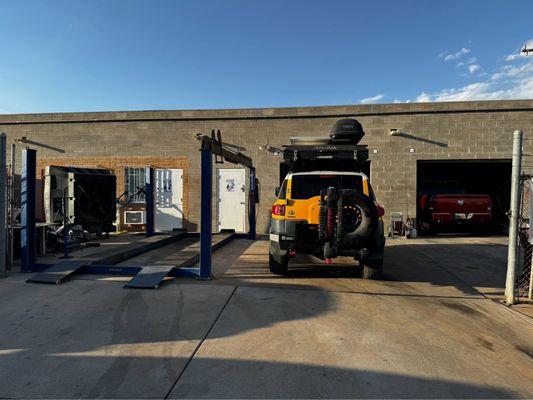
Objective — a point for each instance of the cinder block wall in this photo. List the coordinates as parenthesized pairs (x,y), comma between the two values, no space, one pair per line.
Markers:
(435,131)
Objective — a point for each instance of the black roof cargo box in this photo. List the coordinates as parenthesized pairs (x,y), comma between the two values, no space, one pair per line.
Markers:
(347,131)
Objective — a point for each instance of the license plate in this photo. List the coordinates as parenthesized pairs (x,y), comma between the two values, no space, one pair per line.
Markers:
(462,216)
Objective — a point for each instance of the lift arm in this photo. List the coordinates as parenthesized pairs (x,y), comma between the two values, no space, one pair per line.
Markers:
(227,153)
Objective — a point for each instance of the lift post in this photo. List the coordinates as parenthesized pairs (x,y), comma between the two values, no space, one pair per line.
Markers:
(206,212)
(149,198)
(27,204)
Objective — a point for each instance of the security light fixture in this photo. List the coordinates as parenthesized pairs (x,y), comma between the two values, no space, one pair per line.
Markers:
(271,149)
(394,132)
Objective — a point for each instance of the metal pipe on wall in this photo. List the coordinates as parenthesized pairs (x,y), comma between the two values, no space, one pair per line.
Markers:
(512,259)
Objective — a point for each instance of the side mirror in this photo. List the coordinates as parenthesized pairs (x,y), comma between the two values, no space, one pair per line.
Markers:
(276,191)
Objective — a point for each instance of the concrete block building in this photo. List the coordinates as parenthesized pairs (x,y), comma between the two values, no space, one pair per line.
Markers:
(461,144)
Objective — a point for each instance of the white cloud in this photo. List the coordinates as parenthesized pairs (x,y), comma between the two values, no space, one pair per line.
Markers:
(370,100)
(471,60)
(454,56)
(497,75)
(423,98)
(506,83)
(473,68)
(460,64)
(512,57)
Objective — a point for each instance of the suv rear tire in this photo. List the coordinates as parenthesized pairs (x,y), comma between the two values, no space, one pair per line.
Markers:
(276,267)
(372,269)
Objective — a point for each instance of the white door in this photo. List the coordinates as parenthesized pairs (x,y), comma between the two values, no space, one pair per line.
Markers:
(168,199)
(232,199)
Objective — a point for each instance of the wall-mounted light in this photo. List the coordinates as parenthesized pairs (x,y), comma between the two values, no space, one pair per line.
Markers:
(394,132)
(271,149)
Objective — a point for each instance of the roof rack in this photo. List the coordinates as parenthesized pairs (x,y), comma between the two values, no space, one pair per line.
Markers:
(342,157)
(339,151)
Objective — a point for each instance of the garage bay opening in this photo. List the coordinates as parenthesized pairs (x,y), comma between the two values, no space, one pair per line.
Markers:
(463,196)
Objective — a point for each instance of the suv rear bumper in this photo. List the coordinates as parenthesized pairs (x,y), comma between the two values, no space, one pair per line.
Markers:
(298,230)
(303,238)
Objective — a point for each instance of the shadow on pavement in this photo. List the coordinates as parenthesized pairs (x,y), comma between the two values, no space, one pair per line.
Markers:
(158,377)
(208,378)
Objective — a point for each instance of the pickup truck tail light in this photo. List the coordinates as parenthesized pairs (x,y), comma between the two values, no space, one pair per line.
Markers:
(381,211)
(278,209)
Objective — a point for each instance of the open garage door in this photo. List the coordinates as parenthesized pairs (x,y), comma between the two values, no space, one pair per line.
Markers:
(457,178)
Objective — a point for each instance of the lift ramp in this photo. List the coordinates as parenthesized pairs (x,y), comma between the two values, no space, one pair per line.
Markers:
(59,272)
(149,277)
(183,259)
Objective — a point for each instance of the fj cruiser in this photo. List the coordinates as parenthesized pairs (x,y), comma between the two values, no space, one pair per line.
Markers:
(326,206)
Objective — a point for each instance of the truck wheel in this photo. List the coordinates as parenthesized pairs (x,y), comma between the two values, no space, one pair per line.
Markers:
(372,269)
(278,268)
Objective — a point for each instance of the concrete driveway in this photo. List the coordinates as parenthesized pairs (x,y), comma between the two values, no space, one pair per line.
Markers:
(424,332)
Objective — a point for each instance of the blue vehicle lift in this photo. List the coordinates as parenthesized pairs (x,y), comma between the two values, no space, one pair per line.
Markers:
(145,276)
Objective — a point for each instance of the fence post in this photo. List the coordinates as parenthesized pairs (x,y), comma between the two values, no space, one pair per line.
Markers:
(12,206)
(512,259)
(3,208)
(530,291)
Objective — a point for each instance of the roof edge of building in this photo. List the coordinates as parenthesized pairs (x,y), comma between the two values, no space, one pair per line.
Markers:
(271,113)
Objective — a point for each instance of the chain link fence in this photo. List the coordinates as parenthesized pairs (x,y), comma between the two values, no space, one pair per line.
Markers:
(524,273)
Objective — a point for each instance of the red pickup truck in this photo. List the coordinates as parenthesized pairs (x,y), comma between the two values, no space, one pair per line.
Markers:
(455,210)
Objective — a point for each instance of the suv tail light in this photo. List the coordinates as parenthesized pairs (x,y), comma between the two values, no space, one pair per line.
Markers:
(381,211)
(278,209)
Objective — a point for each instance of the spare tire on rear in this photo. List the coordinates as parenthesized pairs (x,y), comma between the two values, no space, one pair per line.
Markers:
(357,216)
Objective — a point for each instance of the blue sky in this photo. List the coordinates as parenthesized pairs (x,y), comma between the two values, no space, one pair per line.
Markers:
(92,55)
